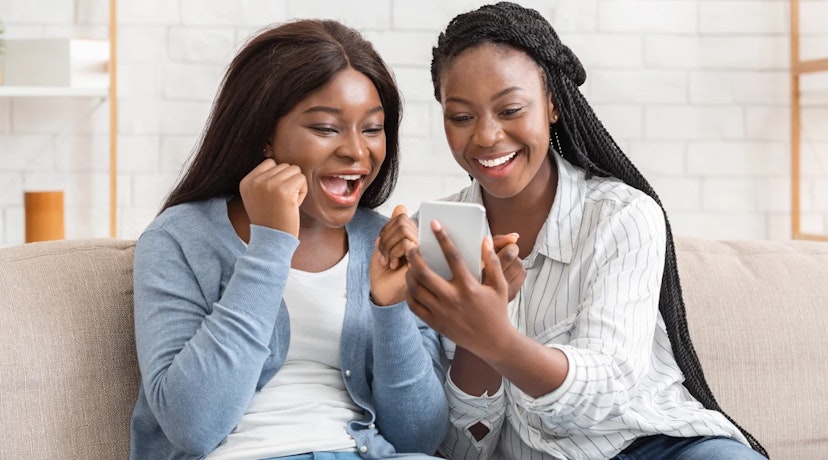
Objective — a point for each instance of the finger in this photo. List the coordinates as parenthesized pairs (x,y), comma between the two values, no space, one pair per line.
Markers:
(421,311)
(267,165)
(399,210)
(508,255)
(455,261)
(492,270)
(396,242)
(397,236)
(421,275)
(264,174)
(419,293)
(500,241)
(297,183)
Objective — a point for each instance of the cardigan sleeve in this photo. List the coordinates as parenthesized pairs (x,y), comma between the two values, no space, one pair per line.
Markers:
(200,363)
(411,406)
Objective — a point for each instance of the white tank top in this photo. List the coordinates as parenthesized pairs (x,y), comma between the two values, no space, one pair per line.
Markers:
(305,406)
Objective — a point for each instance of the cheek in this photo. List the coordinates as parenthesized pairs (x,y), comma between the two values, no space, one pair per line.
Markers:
(456,139)
(378,148)
(539,130)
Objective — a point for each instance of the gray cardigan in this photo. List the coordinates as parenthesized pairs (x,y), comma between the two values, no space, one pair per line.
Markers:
(211,329)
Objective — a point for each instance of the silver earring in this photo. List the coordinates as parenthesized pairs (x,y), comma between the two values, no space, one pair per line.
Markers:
(558,141)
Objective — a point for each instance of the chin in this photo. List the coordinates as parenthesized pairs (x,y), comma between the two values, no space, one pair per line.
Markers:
(337,218)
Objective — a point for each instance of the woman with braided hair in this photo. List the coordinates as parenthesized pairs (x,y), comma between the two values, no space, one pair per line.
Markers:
(575,344)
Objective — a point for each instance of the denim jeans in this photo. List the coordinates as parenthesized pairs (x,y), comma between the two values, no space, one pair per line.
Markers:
(698,448)
(344,456)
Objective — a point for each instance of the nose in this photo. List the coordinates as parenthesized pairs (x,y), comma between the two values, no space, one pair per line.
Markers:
(353,146)
(488,132)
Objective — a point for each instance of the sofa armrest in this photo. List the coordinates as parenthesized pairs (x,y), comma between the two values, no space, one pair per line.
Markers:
(67,353)
(758,320)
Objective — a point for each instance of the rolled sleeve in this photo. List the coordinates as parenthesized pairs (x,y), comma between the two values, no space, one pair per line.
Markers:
(466,411)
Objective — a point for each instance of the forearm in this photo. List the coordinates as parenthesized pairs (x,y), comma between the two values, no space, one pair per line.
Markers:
(412,412)
(534,368)
(473,375)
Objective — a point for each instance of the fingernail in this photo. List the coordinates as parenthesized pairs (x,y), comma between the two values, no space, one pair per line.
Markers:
(436,225)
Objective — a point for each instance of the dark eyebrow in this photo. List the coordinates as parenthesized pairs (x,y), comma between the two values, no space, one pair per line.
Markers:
(336,111)
(500,94)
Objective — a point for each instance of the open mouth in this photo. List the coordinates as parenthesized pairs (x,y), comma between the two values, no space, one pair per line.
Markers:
(495,162)
(344,188)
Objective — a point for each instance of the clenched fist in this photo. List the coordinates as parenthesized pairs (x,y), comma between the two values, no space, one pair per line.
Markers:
(272,193)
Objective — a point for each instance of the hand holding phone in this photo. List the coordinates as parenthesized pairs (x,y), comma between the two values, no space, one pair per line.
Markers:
(466,226)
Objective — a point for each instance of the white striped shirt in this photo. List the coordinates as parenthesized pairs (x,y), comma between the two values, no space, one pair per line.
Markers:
(591,291)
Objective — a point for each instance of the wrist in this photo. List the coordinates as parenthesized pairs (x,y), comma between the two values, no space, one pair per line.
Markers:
(502,346)
(381,301)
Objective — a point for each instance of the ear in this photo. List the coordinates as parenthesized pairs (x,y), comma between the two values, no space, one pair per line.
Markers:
(267,151)
(552,111)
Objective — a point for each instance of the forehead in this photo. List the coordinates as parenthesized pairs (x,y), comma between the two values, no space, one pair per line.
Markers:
(491,67)
(348,87)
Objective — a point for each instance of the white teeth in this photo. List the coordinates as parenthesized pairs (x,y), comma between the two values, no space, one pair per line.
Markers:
(497,161)
(348,176)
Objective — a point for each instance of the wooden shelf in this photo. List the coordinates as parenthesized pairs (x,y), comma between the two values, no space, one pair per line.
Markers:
(814,65)
(97,87)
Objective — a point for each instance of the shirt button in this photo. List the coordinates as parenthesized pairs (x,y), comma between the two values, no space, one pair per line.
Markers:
(348,374)
(363,449)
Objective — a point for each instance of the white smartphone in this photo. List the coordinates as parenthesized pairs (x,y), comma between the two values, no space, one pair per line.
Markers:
(466,225)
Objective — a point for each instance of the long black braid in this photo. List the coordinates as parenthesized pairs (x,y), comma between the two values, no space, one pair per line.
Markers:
(584,142)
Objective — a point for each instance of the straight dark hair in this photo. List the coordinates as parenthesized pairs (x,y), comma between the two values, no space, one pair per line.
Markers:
(271,74)
(583,141)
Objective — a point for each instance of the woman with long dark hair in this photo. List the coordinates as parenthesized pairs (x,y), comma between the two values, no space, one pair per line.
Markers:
(265,325)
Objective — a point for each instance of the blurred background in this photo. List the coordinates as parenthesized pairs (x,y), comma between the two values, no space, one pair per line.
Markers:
(697,93)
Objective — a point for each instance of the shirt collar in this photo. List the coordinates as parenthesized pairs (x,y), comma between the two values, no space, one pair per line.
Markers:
(558,237)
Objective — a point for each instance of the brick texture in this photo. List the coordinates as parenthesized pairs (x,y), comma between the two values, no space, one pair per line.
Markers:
(695,91)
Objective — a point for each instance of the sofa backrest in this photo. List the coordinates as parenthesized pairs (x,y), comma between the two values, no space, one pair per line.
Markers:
(69,375)
(68,371)
(758,314)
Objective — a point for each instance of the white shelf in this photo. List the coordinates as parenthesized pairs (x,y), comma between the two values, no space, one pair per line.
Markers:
(56,67)
(52,91)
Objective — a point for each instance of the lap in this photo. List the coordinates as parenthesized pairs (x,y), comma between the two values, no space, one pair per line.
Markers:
(347,456)
(698,448)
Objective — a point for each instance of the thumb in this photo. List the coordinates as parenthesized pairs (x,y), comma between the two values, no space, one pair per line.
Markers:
(399,210)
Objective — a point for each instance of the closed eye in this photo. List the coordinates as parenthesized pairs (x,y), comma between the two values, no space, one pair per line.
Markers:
(511,112)
(374,130)
(324,129)
(459,118)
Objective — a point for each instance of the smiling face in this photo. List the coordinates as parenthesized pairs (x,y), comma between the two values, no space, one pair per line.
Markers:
(336,137)
(496,114)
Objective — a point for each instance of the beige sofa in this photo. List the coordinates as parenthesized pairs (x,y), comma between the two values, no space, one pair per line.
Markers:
(758,313)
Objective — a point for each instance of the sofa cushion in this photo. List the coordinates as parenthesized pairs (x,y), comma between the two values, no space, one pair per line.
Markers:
(67,354)
(758,319)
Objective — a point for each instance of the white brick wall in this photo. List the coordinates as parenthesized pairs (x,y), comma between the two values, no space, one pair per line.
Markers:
(695,91)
